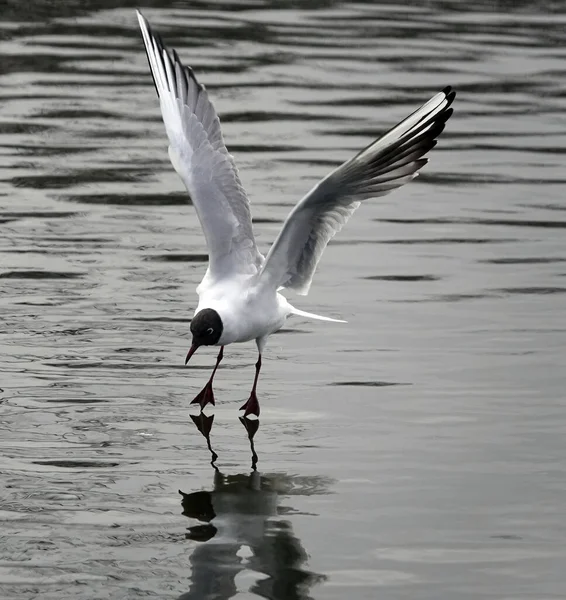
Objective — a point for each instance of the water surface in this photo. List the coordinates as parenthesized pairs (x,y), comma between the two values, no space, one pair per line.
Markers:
(416,452)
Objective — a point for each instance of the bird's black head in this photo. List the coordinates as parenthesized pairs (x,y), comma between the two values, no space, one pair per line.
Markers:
(206,328)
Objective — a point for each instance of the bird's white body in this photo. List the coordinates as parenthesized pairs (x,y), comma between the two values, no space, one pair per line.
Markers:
(248,311)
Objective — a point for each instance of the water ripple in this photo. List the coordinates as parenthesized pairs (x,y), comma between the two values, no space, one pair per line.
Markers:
(416,451)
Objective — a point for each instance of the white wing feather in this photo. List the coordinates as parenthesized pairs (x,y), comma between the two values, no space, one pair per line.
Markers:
(386,164)
(199,155)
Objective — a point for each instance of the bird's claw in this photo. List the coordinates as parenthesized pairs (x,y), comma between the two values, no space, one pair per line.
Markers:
(251,406)
(205,396)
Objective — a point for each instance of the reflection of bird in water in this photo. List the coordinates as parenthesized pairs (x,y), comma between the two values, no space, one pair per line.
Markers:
(204,422)
(240,530)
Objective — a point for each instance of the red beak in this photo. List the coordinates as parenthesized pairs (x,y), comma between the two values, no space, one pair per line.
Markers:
(192,350)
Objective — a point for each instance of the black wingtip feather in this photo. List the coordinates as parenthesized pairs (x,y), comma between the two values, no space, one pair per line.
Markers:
(450,94)
(418,141)
(173,57)
(191,74)
(160,47)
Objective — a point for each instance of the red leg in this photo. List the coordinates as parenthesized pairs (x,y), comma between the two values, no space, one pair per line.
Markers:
(206,395)
(251,407)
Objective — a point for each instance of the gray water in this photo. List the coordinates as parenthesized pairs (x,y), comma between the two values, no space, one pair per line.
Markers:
(417,452)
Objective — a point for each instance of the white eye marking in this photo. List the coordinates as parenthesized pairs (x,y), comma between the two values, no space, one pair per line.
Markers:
(210,331)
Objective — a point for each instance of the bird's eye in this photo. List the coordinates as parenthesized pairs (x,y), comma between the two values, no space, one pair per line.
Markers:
(210,331)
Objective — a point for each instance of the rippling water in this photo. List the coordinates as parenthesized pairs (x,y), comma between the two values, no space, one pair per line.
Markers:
(417,452)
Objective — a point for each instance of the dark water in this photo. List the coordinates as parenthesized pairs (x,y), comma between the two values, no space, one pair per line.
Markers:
(417,452)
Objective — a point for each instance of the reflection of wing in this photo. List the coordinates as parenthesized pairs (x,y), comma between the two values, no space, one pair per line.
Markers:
(198,505)
(386,164)
(198,153)
(242,508)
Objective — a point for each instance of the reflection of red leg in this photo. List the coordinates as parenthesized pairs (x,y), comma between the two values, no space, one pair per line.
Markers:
(251,407)
(206,395)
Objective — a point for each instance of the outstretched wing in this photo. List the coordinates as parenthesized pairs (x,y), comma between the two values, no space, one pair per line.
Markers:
(199,155)
(386,164)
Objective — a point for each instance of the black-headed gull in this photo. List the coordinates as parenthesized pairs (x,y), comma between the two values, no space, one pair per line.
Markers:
(238,296)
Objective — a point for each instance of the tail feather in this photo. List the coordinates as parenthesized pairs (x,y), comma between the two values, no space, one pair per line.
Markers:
(302,313)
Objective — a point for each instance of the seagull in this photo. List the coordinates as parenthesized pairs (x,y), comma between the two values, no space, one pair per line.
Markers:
(239,297)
